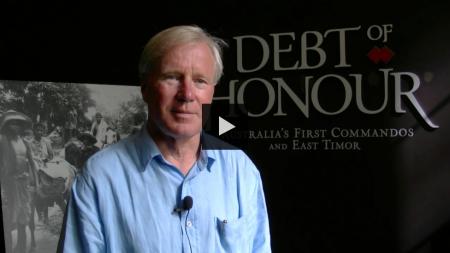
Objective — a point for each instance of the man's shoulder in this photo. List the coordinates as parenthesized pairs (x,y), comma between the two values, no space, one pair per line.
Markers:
(228,157)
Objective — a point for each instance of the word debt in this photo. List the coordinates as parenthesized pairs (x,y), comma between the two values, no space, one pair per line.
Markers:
(278,91)
(311,53)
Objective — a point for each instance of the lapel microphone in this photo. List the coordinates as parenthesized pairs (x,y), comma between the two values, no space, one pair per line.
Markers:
(186,205)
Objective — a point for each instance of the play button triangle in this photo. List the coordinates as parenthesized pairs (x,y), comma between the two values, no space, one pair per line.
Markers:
(224,126)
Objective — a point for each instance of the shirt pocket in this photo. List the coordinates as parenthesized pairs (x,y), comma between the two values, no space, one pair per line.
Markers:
(234,234)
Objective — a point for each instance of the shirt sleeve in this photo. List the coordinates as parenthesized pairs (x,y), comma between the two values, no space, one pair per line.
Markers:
(83,230)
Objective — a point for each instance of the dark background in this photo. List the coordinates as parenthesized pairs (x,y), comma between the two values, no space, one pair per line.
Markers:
(393,196)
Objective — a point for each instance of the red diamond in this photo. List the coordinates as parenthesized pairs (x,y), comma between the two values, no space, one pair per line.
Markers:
(386,54)
(374,55)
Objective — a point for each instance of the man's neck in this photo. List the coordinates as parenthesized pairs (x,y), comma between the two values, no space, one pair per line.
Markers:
(181,152)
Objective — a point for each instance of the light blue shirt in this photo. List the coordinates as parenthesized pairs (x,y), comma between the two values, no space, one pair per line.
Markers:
(124,202)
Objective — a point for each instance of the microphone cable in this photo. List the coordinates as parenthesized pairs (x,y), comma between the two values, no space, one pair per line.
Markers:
(185,229)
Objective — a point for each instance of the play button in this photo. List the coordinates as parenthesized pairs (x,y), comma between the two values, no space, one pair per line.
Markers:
(224,126)
(217,124)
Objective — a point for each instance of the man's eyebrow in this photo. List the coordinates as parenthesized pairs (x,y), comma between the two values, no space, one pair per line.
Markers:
(171,72)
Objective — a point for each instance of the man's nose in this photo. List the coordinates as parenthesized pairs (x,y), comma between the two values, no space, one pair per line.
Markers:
(186,90)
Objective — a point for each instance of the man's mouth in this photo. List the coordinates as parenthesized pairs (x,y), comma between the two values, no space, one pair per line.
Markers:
(183,113)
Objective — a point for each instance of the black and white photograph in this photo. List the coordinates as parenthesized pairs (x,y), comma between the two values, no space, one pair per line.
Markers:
(48,130)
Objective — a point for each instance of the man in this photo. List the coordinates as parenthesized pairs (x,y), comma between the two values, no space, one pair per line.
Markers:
(158,190)
(42,151)
(18,180)
(98,129)
(71,124)
(111,136)
(78,150)
(41,146)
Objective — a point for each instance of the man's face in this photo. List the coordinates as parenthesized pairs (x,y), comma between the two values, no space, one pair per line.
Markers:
(176,91)
(38,132)
(98,118)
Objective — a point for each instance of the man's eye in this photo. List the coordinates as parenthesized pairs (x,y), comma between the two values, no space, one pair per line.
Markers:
(201,83)
(170,77)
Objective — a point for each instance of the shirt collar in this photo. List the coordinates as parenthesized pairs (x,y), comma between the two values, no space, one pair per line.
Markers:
(146,147)
(148,150)
(205,160)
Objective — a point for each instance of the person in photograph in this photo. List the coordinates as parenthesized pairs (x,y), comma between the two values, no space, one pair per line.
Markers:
(88,148)
(18,179)
(139,120)
(41,146)
(111,136)
(42,152)
(56,136)
(159,190)
(79,149)
(98,129)
(71,124)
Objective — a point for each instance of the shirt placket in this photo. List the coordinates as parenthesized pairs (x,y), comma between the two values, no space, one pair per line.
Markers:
(188,220)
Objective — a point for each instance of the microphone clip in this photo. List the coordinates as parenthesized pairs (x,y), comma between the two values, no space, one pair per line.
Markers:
(186,205)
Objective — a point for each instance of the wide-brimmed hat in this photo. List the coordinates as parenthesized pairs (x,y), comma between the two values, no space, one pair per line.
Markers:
(87,138)
(14,115)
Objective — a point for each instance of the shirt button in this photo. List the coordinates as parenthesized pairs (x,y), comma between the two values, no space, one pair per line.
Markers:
(189,223)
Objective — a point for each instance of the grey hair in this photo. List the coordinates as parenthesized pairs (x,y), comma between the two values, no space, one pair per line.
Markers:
(162,42)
